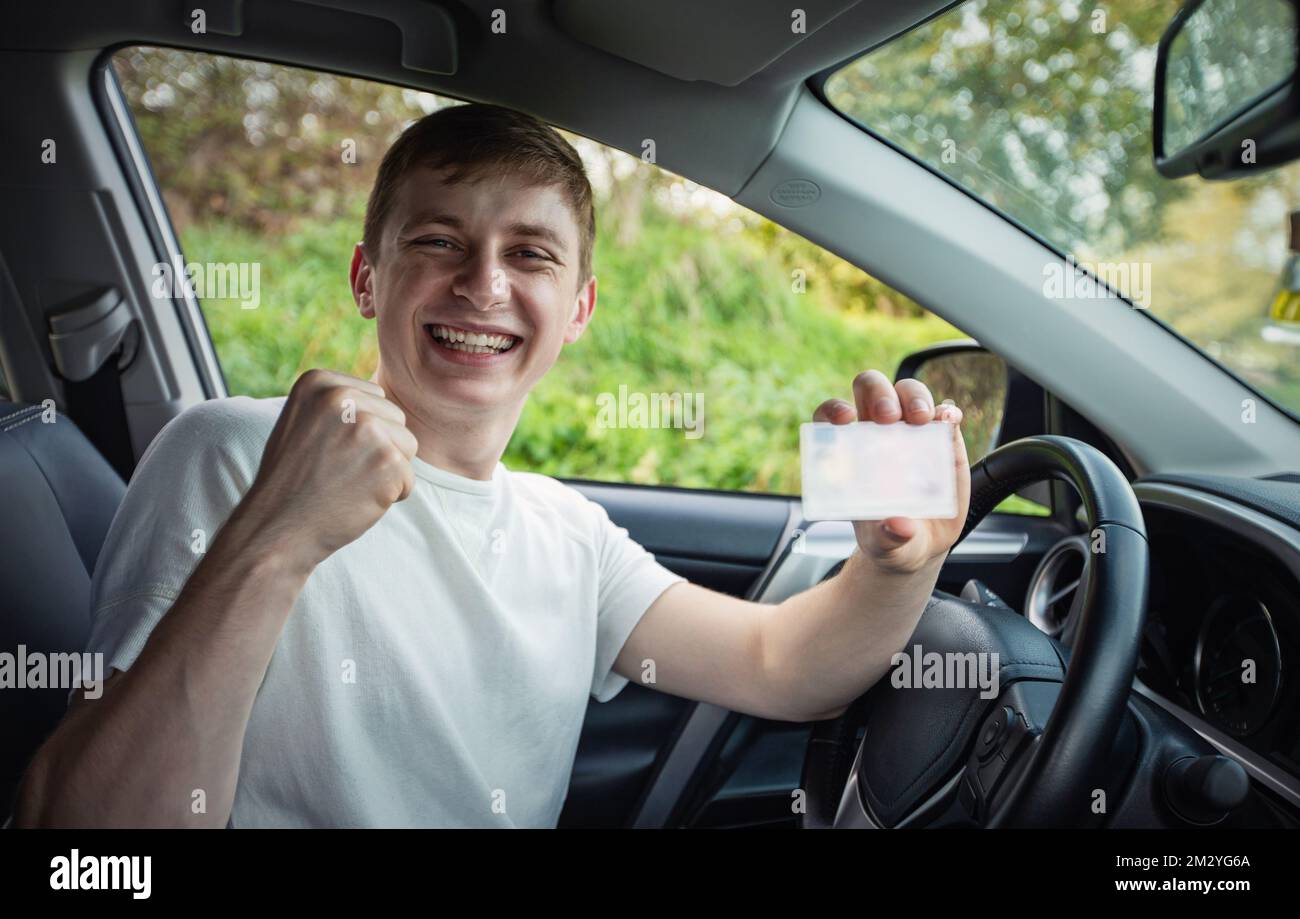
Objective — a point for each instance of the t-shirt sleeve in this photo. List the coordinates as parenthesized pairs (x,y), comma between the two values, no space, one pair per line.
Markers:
(631,579)
(193,474)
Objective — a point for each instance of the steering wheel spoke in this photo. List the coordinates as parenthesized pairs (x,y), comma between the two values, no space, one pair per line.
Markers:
(1005,743)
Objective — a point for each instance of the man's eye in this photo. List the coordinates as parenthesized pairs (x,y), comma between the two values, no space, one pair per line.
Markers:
(432,242)
(532,253)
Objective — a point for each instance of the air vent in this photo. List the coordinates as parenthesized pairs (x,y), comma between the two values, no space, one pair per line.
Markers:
(1049,601)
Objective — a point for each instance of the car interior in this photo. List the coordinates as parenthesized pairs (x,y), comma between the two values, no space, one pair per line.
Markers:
(1114,659)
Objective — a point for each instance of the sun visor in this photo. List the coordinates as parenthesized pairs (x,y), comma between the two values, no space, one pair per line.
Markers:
(725,42)
(428,33)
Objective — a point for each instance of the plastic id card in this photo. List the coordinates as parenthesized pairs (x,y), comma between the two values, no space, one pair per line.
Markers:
(869,471)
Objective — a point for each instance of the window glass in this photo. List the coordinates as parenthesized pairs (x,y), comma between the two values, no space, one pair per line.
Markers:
(730,327)
(1043,110)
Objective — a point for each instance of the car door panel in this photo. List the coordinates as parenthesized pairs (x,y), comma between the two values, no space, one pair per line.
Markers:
(718,540)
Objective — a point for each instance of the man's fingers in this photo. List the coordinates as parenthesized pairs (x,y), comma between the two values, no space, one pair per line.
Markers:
(378,406)
(320,377)
(949,412)
(401,436)
(898,530)
(916,401)
(836,411)
(368,399)
(364,385)
(408,482)
(405,442)
(875,397)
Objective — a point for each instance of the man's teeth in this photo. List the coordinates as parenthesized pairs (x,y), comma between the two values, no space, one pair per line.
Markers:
(460,340)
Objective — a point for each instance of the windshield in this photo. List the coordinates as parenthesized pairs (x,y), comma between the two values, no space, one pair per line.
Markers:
(1042,108)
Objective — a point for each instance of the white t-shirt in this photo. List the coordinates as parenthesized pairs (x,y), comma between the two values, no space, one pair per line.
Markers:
(434,672)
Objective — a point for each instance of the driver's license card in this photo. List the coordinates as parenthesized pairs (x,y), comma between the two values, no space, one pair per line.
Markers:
(869,471)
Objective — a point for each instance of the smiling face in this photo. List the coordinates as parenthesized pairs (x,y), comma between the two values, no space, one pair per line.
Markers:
(496,255)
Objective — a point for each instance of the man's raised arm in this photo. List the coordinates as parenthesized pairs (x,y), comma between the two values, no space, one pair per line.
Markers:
(173,724)
(809,657)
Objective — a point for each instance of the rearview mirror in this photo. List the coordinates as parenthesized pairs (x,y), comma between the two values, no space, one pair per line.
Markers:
(1227,101)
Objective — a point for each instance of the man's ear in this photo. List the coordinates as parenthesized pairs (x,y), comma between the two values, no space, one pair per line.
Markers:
(362,278)
(584,307)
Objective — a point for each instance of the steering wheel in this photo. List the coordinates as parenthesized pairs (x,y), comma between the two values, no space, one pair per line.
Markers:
(1028,744)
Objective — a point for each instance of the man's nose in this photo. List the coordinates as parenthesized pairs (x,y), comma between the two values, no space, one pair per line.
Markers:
(482,280)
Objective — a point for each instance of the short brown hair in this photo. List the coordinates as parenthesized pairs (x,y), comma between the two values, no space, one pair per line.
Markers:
(473,140)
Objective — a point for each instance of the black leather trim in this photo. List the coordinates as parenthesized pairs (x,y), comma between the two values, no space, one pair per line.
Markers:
(1278,497)
(85,486)
(59,498)
(1005,471)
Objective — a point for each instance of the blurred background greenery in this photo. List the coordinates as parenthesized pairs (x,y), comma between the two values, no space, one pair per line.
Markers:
(1040,107)
(696,294)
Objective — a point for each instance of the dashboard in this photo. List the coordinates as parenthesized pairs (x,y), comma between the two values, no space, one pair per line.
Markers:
(1222,626)
(1222,637)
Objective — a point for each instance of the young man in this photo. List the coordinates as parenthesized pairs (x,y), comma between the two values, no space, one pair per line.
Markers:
(338,608)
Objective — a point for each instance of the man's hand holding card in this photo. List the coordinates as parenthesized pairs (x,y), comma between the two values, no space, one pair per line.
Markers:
(903,478)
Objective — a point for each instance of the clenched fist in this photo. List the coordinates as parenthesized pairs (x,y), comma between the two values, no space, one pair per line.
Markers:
(338,458)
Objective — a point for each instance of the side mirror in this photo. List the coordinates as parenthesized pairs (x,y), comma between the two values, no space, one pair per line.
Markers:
(999,404)
(1227,98)
(976,380)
